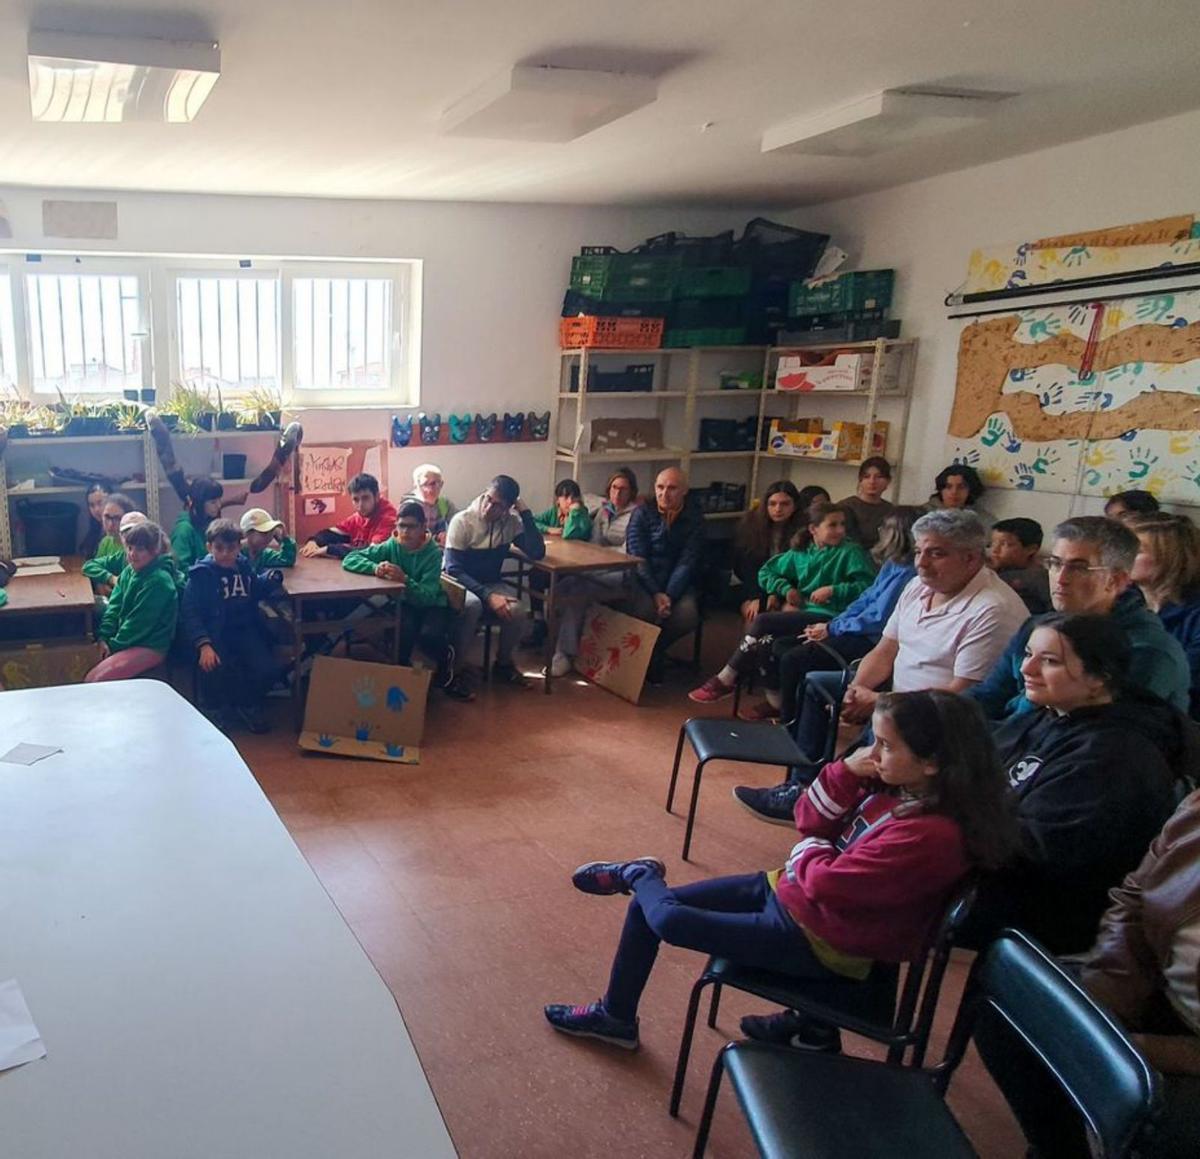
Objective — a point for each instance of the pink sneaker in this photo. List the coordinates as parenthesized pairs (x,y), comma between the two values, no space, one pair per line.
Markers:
(763,711)
(710,691)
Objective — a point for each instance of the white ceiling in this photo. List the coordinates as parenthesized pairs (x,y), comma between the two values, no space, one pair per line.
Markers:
(342,99)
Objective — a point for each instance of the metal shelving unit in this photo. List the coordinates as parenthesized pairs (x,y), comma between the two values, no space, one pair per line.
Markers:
(766,403)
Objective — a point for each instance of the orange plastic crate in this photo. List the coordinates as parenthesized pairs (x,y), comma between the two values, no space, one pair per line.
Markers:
(624,333)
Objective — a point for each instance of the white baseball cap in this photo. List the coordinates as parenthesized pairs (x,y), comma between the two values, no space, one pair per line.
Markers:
(256,519)
(130,519)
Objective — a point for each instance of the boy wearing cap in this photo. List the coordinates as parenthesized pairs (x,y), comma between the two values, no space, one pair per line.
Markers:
(259,531)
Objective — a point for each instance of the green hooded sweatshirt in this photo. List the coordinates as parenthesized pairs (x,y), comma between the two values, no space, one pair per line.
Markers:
(282,556)
(106,568)
(107,546)
(187,542)
(577,525)
(422,569)
(142,609)
(846,568)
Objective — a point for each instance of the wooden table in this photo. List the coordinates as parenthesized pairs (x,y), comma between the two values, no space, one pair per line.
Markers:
(67,594)
(322,578)
(567,557)
(198,993)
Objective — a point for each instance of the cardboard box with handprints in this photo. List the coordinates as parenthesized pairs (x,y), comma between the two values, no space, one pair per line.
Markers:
(359,709)
(614,651)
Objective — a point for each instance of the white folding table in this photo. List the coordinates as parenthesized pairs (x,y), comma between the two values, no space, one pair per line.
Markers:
(199,995)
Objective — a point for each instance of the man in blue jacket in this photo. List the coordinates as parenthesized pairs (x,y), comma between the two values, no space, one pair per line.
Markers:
(477,544)
(1089,567)
(668,537)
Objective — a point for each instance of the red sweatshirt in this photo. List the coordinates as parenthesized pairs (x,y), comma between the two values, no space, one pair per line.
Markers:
(364,532)
(873,871)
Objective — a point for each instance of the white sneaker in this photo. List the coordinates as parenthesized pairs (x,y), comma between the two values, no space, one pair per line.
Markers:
(560,664)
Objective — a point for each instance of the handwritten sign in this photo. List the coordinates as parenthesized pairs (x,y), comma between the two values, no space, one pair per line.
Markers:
(323,470)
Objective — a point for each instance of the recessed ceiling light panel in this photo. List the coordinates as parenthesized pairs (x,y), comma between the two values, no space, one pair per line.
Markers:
(97,79)
(537,103)
(882,121)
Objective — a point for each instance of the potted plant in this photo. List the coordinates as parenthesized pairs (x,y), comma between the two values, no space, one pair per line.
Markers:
(261,409)
(191,408)
(43,422)
(227,420)
(129,419)
(100,419)
(73,415)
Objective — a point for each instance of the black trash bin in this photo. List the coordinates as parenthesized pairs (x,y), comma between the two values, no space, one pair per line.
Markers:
(50,526)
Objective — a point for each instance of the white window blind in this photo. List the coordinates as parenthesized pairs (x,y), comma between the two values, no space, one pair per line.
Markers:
(227,333)
(342,334)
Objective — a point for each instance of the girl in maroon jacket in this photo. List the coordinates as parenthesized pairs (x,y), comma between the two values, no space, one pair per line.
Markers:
(885,836)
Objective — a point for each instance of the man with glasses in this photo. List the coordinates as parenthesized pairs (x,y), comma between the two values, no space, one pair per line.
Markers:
(477,544)
(1089,567)
(949,626)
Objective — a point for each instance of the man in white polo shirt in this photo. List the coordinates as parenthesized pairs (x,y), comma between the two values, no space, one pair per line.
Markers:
(951,624)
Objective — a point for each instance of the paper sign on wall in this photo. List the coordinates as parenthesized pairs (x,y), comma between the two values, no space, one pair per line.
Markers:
(318,504)
(324,470)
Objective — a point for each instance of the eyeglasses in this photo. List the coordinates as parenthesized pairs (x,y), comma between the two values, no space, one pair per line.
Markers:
(1073,566)
(408,526)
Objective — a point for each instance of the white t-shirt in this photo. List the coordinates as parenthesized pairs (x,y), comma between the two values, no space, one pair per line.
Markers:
(964,637)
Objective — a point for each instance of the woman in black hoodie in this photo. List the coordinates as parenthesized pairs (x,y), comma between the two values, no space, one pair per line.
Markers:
(1093,769)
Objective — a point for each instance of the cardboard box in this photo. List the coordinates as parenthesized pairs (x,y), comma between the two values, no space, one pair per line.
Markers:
(842,441)
(802,372)
(614,651)
(46,665)
(625,434)
(358,709)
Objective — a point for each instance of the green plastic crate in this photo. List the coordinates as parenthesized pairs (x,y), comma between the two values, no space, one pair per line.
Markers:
(626,277)
(706,336)
(849,292)
(713,282)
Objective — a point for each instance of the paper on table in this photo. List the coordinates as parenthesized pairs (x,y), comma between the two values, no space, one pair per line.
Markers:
(20,1041)
(41,569)
(36,560)
(29,754)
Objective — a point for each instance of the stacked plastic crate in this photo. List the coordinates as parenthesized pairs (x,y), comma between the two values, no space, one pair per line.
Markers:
(846,307)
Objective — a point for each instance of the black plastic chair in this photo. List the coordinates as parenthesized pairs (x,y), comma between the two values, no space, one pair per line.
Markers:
(717,739)
(830,1105)
(868,1008)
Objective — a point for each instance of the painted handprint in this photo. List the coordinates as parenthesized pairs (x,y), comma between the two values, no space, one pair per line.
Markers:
(1129,435)
(1155,308)
(1157,481)
(1142,459)
(394,750)
(1018,374)
(1015,280)
(1098,456)
(1023,253)
(1023,478)
(1096,399)
(397,698)
(362,730)
(993,431)
(325,740)
(1044,461)
(1052,395)
(364,692)
(1192,471)
(1078,314)
(1180,444)
(631,642)
(969,458)
(1076,255)
(1045,327)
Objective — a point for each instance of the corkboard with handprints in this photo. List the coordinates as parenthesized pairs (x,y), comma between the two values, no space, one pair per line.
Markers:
(1086,399)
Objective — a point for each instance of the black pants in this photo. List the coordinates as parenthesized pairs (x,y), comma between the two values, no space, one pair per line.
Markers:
(766,629)
(428,627)
(797,658)
(246,672)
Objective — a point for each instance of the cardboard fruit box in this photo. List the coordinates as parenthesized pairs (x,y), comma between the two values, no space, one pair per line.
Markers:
(843,441)
(834,371)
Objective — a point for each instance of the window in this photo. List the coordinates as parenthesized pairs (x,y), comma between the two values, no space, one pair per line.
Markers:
(85,333)
(227,333)
(8,337)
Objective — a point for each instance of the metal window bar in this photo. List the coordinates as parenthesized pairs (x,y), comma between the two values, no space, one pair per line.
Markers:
(341,333)
(227,332)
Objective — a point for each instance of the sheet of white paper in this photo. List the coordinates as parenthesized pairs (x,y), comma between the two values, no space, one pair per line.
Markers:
(20,1041)
(36,560)
(23,485)
(41,569)
(29,754)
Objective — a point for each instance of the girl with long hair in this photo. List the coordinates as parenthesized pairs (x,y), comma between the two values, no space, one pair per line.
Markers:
(765,531)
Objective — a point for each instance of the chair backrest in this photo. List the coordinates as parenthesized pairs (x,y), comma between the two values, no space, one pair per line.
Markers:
(1088,1055)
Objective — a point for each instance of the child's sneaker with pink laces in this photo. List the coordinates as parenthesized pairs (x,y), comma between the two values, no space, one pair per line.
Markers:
(593,1021)
(710,691)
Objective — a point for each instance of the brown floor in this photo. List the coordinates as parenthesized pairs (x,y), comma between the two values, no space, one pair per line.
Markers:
(454,876)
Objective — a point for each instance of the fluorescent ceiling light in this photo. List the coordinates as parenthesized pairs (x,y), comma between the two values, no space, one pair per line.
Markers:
(537,103)
(96,79)
(882,121)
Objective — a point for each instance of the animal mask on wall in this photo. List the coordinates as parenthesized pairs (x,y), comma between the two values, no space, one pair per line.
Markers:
(539,426)
(431,427)
(485,427)
(514,426)
(460,428)
(401,430)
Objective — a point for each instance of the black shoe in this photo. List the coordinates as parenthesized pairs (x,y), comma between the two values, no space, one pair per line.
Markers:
(254,720)
(509,674)
(790,1028)
(460,689)
(776,805)
(654,671)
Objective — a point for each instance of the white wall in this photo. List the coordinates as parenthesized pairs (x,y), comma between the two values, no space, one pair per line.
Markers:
(926,230)
(494,277)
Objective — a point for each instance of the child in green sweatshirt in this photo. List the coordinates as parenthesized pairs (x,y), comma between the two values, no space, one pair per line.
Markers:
(809,584)
(139,623)
(568,517)
(266,543)
(410,557)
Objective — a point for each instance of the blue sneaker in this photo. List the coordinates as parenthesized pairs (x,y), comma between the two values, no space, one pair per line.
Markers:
(593,1021)
(608,877)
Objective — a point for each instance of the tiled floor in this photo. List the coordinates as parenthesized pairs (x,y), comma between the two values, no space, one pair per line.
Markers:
(454,875)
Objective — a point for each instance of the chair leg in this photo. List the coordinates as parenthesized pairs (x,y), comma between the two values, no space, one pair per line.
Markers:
(710,1104)
(697,644)
(714,1006)
(487,654)
(685,1044)
(691,817)
(737,698)
(675,768)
